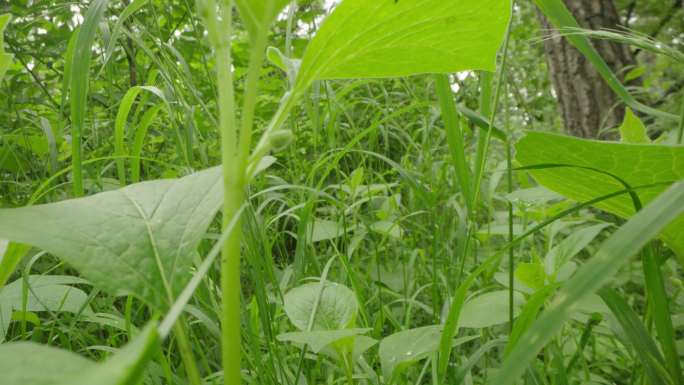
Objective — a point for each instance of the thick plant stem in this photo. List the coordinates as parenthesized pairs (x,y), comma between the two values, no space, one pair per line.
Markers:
(218,22)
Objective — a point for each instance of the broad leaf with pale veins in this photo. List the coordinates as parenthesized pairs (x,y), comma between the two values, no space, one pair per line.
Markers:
(315,307)
(140,239)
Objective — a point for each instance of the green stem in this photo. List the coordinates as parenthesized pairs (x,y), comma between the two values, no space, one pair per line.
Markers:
(511,236)
(258,53)
(680,134)
(219,28)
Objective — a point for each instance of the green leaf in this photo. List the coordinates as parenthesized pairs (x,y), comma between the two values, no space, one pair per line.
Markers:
(569,247)
(528,314)
(126,366)
(288,65)
(387,38)
(636,334)
(635,73)
(489,309)
(46,293)
(388,229)
(19,361)
(10,255)
(140,239)
(407,347)
(614,253)
(315,307)
(324,230)
(317,340)
(636,164)
(18,364)
(531,274)
(632,129)
(259,14)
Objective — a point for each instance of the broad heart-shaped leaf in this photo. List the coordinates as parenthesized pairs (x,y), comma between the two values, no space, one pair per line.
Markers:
(27,363)
(259,14)
(5,58)
(136,240)
(389,38)
(332,308)
(636,164)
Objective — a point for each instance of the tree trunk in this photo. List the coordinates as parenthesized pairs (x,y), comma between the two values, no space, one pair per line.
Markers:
(586,102)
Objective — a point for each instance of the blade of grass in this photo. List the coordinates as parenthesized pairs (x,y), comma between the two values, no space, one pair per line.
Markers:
(116,31)
(80,69)
(452,125)
(636,334)
(139,140)
(614,252)
(120,125)
(657,297)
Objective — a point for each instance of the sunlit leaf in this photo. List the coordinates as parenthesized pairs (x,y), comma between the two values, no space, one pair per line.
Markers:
(384,38)
(633,129)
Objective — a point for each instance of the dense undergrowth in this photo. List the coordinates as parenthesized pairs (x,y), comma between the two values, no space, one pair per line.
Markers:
(388,233)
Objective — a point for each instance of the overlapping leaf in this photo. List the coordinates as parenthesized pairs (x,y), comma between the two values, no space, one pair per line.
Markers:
(636,164)
(59,367)
(388,38)
(140,239)
(598,270)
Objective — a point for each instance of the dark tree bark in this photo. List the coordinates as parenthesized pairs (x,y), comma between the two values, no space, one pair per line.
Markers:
(586,102)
